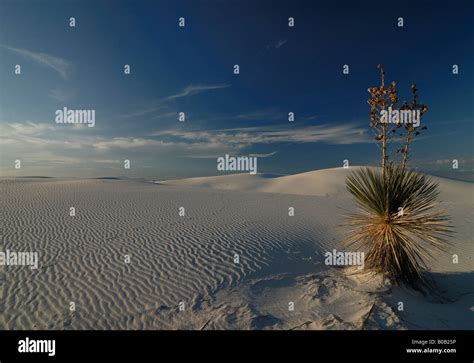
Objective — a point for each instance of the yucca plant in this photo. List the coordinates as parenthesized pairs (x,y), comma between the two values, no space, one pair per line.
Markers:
(397,223)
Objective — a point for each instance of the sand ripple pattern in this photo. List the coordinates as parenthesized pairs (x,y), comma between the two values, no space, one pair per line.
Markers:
(173,259)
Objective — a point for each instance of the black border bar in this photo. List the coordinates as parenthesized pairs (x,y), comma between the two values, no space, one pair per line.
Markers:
(231,345)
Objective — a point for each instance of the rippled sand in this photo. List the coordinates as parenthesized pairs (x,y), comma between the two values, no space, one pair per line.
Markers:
(191,259)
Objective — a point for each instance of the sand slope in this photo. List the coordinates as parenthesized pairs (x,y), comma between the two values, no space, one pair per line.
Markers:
(319,182)
(190,259)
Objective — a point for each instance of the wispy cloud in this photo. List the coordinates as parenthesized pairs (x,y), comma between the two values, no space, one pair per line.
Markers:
(46,141)
(189,140)
(244,137)
(263,155)
(310,118)
(127,143)
(161,103)
(214,156)
(27,128)
(144,112)
(276,45)
(60,95)
(59,65)
(193,90)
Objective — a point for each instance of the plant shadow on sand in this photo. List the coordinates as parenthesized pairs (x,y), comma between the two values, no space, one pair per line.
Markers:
(448,305)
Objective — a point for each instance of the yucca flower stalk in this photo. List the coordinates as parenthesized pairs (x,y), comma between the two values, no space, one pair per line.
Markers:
(411,130)
(382,98)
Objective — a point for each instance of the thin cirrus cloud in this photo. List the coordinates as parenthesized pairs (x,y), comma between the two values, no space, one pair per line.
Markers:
(42,137)
(190,90)
(214,156)
(267,155)
(60,95)
(193,90)
(276,45)
(342,134)
(59,65)
(143,112)
(41,140)
(27,128)
(236,137)
(127,143)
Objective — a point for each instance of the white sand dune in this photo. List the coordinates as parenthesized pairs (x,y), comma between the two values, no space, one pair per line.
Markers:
(319,182)
(190,259)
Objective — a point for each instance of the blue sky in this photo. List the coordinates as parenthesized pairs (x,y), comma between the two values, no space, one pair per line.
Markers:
(190,70)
